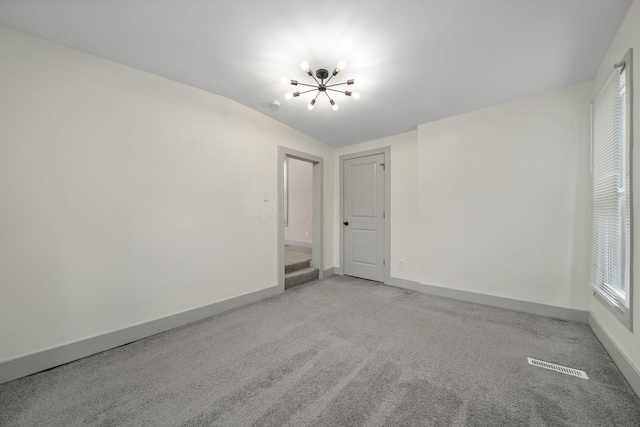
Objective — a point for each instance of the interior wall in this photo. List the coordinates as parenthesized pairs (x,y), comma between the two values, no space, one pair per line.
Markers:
(495,201)
(127,197)
(504,201)
(404,201)
(628,36)
(299,228)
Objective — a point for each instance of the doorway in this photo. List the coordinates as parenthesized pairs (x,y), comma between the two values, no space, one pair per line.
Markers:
(364,208)
(291,216)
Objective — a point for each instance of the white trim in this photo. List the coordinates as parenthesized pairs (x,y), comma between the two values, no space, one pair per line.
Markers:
(628,369)
(624,315)
(564,313)
(49,358)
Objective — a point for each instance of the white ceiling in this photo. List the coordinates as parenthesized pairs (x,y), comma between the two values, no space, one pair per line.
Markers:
(413,61)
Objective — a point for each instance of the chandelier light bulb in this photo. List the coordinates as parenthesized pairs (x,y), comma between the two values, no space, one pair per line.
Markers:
(288,95)
(305,66)
(333,105)
(355,95)
(284,81)
(310,106)
(339,68)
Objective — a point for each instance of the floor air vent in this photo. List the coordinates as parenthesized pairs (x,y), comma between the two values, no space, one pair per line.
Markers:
(562,369)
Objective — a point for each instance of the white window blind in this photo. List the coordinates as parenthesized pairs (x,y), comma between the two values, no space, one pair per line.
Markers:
(611,204)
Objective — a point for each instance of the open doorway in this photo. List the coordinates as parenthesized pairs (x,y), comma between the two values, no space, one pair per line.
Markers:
(300,198)
(298,204)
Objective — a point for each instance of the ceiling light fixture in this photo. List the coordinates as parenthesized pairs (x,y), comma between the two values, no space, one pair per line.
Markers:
(321,86)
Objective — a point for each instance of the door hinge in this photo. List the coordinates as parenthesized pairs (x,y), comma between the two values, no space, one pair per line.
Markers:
(383,166)
(384,214)
(384,262)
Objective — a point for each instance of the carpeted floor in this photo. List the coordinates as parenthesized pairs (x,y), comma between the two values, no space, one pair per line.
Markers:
(338,352)
(296,254)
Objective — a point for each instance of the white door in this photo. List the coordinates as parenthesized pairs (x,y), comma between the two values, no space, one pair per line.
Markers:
(363,216)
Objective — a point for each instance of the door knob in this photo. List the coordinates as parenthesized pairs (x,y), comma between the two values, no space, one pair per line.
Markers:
(346,223)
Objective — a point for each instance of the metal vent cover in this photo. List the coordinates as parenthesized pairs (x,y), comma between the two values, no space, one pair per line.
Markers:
(558,368)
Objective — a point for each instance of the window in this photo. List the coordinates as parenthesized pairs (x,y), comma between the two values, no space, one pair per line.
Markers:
(611,203)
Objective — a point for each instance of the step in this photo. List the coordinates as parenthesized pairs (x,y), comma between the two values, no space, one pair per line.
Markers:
(299,277)
(296,266)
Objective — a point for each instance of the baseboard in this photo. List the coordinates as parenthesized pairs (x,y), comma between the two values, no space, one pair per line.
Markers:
(46,359)
(298,243)
(329,272)
(625,365)
(563,313)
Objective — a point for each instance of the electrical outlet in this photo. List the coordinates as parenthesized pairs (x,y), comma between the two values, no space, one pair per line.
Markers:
(400,264)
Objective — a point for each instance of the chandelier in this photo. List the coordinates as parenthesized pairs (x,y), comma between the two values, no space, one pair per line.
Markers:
(321,85)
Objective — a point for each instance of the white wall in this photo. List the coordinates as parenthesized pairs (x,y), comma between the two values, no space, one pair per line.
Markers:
(127,197)
(299,228)
(628,37)
(502,211)
(476,199)
(494,201)
(404,201)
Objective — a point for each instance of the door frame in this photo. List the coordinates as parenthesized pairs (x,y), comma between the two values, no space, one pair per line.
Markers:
(387,206)
(317,251)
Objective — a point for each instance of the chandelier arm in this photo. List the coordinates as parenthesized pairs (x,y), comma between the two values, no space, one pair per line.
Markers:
(337,84)
(314,78)
(329,79)
(327,95)
(304,84)
(317,95)
(339,91)
(307,91)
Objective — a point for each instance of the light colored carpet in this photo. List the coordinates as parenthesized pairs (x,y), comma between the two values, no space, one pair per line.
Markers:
(296,254)
(338,352)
